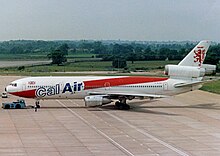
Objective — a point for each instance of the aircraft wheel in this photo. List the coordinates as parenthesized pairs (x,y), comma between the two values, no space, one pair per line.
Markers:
(117,104)
(37,103)
(126,107)
(122,106)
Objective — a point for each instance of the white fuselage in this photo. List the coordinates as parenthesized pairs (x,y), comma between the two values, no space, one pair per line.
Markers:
(79,87)
(99,90)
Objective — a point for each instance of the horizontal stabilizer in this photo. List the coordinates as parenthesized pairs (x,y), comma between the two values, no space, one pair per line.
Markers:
(188,84)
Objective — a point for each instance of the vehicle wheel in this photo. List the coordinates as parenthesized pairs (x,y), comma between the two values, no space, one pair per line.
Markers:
(18,106)
(7,106)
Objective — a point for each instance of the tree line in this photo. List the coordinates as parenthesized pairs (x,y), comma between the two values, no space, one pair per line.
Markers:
(107,50)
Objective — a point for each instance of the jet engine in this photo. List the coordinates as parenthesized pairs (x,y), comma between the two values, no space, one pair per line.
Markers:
(96,100)
(184,71)
(209,69)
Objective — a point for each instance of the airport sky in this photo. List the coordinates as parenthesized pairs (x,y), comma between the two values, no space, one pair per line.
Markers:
(147,20)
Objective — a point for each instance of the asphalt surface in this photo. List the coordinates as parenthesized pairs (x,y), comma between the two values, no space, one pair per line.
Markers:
(187,124)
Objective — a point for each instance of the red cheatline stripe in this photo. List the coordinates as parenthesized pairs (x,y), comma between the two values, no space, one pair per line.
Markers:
(26,94)
(120,81)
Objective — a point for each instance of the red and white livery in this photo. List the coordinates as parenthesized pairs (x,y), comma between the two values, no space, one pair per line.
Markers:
(100,90)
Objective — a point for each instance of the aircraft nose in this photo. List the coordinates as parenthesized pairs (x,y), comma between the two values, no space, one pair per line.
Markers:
(7,89)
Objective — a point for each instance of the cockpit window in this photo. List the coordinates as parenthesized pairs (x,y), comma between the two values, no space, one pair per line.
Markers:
(14,84)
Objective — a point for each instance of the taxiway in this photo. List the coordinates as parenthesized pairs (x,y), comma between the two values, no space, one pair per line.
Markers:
(187,124)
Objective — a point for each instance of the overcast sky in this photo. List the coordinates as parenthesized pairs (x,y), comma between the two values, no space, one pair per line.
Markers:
(110,19)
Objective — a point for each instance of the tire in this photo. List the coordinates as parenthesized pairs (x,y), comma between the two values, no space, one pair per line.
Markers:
(7,107)
(126,107)
(121,107)
(117,104)
(18,106)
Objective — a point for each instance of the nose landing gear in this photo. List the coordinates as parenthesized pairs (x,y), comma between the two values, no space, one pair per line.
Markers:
(37,103)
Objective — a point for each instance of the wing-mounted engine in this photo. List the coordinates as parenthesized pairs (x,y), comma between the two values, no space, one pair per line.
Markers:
(96,100)
(184,71)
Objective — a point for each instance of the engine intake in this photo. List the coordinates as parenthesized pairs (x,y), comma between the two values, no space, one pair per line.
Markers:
(96,100)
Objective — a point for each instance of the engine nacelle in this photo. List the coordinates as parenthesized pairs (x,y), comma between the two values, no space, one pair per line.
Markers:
(184,71)
(96,100)
(209,69)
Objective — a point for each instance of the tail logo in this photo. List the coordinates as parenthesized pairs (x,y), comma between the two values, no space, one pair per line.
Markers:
(199,55)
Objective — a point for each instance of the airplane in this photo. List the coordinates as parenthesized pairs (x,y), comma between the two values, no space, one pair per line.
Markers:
(100,90)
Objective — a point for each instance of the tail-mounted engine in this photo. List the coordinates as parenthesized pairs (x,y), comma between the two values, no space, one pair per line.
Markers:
(209,69)
(184,71)
(96,100)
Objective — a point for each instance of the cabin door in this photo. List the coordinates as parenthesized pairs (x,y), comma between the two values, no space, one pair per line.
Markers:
(24,86)
(165,86)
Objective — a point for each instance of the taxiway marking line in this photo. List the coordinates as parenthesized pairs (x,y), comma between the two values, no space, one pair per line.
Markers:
(182,153)
(123,149)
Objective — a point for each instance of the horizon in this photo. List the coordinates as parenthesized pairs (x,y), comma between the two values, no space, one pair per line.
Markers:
(153,20)
(118,40)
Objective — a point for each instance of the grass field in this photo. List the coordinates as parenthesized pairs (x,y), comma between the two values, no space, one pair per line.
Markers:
(81,55)
(95,66)
(213,86)
(25,57)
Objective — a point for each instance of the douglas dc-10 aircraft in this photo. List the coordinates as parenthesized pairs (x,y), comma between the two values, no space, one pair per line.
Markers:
(100,90)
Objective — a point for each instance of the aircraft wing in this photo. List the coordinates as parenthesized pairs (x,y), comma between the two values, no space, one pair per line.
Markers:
(113,94)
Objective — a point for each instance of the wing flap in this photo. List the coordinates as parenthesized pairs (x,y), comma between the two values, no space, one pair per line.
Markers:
(129,94)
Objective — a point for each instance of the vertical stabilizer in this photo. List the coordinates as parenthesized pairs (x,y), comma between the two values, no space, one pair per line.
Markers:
(196,57)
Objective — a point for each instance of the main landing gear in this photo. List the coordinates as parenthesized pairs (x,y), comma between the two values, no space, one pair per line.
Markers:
(121,104)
